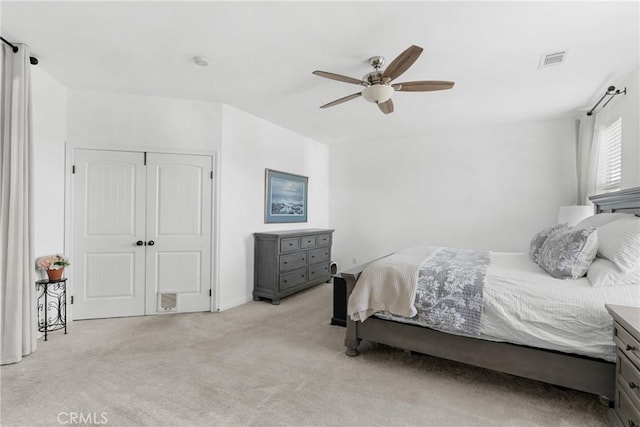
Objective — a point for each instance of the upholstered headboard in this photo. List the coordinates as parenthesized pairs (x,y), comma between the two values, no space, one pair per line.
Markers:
(627,201)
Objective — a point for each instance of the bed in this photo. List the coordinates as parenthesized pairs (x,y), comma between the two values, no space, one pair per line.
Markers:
(572,361)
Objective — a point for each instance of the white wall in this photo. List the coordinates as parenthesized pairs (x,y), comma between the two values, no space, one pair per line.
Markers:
(246,146)
(249,145)
(628,107)
(119,121)
(49,99)
(485,188)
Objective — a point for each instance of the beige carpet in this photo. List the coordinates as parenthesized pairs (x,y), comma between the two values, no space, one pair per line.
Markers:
(264,365)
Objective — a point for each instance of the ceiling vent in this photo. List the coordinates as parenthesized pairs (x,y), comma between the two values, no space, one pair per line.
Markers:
(551,59)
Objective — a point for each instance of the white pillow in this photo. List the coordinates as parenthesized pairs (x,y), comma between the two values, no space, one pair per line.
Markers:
(600,219)
(605,273)
(619,242)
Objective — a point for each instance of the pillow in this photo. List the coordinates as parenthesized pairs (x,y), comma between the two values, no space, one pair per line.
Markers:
(599,220)
(605,273)
(539,238)
(619,242)
(568,254)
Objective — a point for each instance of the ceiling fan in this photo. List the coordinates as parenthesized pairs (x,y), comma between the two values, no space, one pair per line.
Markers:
(377,84)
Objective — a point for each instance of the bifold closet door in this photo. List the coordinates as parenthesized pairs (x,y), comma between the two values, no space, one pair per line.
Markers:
(179,213)
(108,232)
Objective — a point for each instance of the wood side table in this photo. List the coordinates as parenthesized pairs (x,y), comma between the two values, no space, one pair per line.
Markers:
(52,298)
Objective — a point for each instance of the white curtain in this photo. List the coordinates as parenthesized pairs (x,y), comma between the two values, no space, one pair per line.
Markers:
(18,321)
(587,158)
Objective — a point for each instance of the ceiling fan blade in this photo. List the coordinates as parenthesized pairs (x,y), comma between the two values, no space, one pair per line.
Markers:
(386,107)
(341,100)
(338,77)
(422,86)
(402,62)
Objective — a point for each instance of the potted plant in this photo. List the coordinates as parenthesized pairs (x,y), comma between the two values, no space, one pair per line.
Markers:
(53,265)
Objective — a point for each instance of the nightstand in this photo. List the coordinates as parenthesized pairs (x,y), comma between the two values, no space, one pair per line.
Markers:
(339,301)
(626,335)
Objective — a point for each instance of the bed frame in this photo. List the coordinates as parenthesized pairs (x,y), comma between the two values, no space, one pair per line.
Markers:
(582,373)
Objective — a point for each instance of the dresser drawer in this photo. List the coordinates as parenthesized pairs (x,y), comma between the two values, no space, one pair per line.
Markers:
(318,255)
(323,239)
(296,277)
(629,346)
(626,410)
(292,261)
(291,244)
(629,375)
(318,271)
(307,242)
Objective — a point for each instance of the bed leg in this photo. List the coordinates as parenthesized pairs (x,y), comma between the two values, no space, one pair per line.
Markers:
(609,403)
(352,348)
(351,340)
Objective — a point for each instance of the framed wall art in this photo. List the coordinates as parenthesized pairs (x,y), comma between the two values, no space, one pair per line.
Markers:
(285,197)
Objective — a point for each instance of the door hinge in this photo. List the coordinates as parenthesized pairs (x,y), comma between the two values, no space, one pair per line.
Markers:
(211,175)
(71,299)
(209,292)
(145,158)
(73,169)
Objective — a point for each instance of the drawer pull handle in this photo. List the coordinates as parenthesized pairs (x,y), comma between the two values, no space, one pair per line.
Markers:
(313,256)
(285,262)
(285,281)
(303,259)
(313,272)
(290,244)
(632,423)
(632,385)
(630,348)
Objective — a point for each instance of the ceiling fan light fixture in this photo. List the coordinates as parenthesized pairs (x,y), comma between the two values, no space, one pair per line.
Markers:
(377,93)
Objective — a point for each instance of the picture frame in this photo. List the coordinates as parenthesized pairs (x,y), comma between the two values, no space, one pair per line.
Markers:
(285,197)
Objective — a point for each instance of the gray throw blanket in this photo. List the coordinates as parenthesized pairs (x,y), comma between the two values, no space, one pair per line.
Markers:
(450,287)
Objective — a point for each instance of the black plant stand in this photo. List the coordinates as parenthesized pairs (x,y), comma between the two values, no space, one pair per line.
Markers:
(53,297)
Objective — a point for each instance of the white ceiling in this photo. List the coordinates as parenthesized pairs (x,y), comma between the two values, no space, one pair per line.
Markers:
(261,56)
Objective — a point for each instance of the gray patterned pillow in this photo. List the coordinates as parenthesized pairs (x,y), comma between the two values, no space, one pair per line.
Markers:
(568,254)
(539,238)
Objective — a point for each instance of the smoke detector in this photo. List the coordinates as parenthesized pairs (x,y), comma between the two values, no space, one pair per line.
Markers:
(551,59)
(201,61)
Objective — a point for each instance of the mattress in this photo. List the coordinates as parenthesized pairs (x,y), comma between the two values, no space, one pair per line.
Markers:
(524,305)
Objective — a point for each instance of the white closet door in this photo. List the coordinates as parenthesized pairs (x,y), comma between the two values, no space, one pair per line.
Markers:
(179,216)
(108,219)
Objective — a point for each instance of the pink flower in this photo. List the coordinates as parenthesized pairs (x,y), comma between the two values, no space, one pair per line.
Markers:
(52,262)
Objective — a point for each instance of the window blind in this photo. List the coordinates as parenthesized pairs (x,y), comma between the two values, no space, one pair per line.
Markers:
(610,157)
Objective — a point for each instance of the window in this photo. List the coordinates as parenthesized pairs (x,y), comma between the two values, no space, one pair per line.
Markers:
(610,157)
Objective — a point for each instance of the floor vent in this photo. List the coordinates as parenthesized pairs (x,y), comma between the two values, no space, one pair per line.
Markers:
(168,302)
(551,59)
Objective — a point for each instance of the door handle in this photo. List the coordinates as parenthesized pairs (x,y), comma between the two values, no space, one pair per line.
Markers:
(139,243)
(151,243)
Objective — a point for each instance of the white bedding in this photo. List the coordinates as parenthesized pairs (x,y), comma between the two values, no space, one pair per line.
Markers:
(525,305)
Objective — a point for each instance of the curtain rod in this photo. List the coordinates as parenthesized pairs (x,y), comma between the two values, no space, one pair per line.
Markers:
(32,59)
(612,92)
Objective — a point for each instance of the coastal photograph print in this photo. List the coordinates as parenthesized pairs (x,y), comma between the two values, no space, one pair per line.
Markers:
(285,197)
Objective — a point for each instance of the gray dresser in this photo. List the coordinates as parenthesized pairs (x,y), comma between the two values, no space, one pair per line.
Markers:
(626,335)
(289,261)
